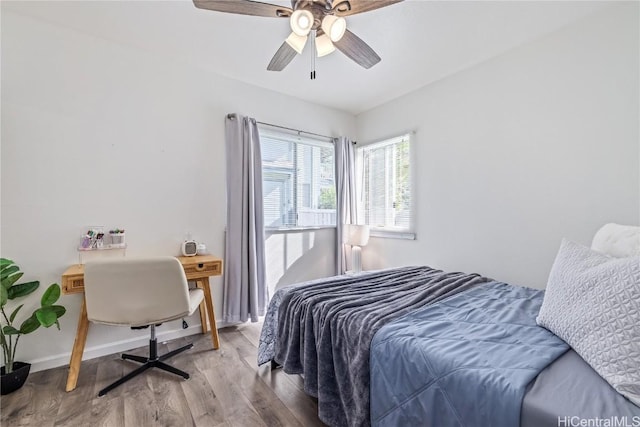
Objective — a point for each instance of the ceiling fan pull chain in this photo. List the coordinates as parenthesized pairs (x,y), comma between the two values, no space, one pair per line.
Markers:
(313,55)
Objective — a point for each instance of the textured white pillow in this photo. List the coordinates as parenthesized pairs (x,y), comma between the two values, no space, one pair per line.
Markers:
(592,302)
(617,240)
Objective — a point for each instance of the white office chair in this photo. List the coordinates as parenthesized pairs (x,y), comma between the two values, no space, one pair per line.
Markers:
(137,293)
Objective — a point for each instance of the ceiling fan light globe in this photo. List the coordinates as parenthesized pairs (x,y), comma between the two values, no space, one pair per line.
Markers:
(296,42)
(301,22)
(334,26)
(324,46)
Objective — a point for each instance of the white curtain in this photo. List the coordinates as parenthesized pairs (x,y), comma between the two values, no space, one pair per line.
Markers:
(345,195)
(245,287)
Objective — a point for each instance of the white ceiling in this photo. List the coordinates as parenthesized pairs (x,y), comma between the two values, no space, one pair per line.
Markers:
(419,41)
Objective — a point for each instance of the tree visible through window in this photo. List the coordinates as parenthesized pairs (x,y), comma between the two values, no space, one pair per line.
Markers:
(386,184)
(298,181)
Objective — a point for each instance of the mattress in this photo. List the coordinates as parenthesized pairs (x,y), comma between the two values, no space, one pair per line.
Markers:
(568,391)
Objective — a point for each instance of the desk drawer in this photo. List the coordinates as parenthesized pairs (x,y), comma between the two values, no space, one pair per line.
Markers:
(73,284)
(203,269)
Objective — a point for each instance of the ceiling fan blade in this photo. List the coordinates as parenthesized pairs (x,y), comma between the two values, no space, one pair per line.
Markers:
(281,59)
(356,49)
(351,7)
(244,7)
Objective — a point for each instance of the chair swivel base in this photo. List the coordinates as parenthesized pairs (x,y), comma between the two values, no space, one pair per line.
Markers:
(153,361)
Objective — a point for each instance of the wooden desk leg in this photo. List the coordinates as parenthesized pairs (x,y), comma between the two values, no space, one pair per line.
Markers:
(78,347)
(212,317)
(203,310)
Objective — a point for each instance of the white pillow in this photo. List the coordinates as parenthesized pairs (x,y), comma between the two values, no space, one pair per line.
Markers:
(592,302)
(617,240)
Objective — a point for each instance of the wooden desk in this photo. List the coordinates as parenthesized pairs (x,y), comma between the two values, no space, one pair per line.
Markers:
(197,268)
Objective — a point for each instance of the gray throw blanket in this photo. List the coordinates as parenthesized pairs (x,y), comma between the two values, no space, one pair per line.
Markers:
(325,331)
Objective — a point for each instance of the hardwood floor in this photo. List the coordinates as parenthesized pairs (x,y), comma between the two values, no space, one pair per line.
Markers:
(226,388)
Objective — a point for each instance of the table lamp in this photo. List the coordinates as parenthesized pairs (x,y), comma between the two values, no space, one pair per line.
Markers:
(357,236)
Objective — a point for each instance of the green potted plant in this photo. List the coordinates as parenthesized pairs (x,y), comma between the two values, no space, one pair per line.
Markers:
(13,374)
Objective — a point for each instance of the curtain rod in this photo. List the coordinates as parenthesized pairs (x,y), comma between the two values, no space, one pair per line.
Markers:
(233,115)
(296,130)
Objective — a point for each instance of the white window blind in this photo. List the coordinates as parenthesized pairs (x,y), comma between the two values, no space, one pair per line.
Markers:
(298,181)
(385,171)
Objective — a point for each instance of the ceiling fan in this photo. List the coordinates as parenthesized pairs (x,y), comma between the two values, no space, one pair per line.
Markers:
(323,19)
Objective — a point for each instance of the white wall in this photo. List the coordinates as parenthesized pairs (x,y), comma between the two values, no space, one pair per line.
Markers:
(95,132)
(292,255)
(517,152)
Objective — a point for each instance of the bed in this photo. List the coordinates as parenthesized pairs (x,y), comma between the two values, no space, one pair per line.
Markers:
(419,346)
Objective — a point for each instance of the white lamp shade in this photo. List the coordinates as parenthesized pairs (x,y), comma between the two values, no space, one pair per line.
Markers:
(356,235)
(334,27)
(324,45)
(296,42)
(301,22)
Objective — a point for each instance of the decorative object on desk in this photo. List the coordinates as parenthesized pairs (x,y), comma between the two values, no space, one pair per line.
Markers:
(202,249)
(356,236)
(117,238)
(85,244)
(93,239)
(14,374)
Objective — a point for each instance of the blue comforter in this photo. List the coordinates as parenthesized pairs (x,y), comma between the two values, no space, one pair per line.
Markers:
(464,361)
(323,330)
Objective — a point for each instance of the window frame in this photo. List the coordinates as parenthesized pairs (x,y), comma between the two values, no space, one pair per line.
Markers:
(388,232)
(297,137)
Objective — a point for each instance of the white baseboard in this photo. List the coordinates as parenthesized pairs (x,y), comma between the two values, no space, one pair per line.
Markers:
(62,359)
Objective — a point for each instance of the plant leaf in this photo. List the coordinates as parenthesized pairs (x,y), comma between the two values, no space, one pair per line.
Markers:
(57,324)
(46,316)
(10,330)
(13,315)
(4,263)
(30,325)
(4,296)
(7,282)
(3,341)
(58,310)
(6,272)
(22,289)
(51,295)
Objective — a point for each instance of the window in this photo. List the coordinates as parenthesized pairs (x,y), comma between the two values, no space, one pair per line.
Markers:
(298,181)
(385,187)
